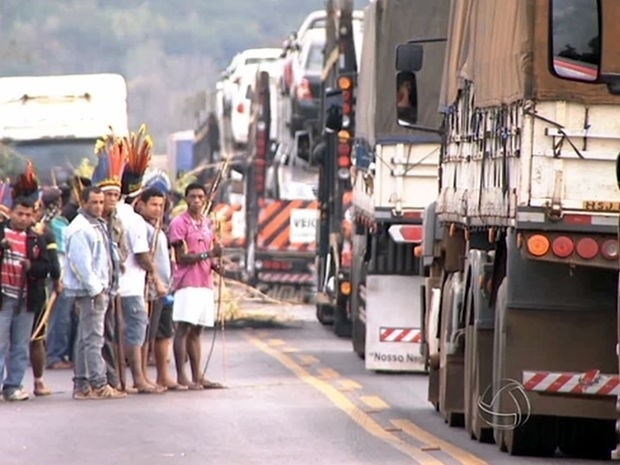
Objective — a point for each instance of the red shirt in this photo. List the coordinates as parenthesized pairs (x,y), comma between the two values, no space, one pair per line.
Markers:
(11,270)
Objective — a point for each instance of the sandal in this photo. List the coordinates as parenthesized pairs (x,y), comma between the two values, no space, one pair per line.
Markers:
(206,384)
(177,387)
(150,389)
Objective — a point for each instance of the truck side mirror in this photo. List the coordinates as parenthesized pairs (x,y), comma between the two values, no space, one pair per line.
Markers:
(409,57)
(406,98)
(575,40)
(333,110)
(249,93)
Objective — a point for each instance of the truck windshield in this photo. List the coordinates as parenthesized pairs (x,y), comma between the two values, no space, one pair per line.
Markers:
(576,40)
(60,157)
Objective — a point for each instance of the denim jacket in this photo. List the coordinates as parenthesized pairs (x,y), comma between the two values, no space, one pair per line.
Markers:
(88,260)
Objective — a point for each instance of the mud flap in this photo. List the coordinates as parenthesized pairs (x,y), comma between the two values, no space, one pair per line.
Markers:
(393,325)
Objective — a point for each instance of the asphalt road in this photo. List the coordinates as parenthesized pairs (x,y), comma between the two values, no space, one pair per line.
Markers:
(296,395)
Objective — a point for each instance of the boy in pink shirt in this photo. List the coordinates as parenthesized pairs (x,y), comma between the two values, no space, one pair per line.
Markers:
(192,238)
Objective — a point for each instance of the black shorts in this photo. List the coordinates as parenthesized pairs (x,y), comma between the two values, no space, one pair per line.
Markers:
(160,322)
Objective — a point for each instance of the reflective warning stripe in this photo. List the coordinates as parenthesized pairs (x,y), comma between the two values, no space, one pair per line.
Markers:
(293,278)
(406,233)
(589,383)
(288,225)
(413,335)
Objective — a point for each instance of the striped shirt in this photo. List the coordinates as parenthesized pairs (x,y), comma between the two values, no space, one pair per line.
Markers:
(11,270)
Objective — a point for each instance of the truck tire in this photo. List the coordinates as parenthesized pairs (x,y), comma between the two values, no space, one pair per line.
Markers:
(478,373)
(325,314)
(358,327)
(587,438)
(342,322)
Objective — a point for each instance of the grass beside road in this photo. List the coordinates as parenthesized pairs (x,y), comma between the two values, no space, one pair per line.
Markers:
(244,306)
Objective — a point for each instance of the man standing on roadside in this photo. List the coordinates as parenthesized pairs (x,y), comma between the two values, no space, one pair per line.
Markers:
(194,244)
(88,276)
(132,284)
(60,334)
(107,176)
(160,329)
(24,267)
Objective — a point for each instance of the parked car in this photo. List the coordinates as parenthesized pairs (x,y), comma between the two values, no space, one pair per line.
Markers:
(293,44)
(231,76)
(243,78)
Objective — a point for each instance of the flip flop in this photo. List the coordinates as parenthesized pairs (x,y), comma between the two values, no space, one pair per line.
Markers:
(195,387)
(206,384)
(178,387)
(151,390)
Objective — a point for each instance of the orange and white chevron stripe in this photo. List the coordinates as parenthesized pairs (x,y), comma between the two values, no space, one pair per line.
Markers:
(288,226)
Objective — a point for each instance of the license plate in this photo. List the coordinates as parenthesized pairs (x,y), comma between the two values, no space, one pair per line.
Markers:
(601,206)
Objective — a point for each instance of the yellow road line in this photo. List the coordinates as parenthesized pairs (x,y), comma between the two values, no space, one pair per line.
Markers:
(374,402)
(413,430)
(289,349)
(327,373)
(308,359)
(276,342)
(344,404)
(349,385)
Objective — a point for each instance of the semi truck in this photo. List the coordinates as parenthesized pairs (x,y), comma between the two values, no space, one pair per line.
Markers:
(332,152)
(520,245)
(54,121)
(267,225)
(394,178)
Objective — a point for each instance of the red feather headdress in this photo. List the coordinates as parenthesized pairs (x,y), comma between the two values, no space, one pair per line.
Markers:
(138,147)
(112,158)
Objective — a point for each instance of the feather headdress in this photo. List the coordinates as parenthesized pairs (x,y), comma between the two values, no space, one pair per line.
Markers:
(138,146)
(157,179)
(112,158)
(26,185)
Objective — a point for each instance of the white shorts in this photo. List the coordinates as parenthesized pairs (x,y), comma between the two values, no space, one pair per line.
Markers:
(194,305)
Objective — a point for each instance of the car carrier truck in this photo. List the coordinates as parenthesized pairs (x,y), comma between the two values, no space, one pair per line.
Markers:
(521,245)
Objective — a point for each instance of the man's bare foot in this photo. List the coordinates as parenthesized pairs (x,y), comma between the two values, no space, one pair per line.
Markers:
(171,385)
(146,388)
(206,384)
(60,365)
(149,381)
(40,389)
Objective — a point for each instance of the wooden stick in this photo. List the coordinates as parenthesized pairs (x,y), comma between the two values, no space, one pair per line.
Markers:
(38,332)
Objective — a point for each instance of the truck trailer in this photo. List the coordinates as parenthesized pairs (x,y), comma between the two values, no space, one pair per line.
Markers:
(394,178)
(54,121)
(520,245)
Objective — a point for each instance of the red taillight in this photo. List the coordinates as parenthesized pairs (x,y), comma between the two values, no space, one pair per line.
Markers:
(562,247)
(240,107)
(277,265)
(304,92)
(609,249)
(587,248)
